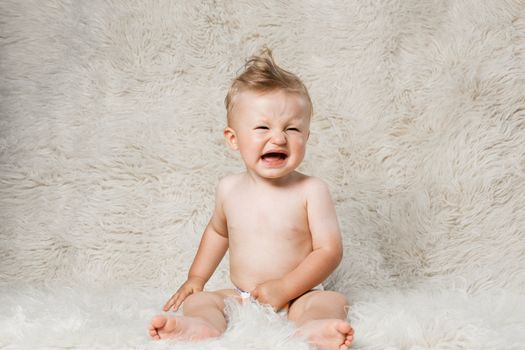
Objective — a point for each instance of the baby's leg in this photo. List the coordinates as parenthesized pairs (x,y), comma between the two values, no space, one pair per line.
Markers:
(321,318)
(203,318)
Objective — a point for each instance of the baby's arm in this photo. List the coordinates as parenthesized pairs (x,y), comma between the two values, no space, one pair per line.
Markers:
(326,252)
(213,246)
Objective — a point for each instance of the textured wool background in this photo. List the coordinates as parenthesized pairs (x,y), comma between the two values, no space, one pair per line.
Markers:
(111,146)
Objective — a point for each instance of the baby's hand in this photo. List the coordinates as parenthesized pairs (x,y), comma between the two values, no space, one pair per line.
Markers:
(271,293)
(192,285)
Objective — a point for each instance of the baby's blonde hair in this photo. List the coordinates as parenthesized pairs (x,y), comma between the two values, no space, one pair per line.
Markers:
(262,74)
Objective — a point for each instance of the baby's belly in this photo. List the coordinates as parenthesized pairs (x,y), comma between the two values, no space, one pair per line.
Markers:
(255,264)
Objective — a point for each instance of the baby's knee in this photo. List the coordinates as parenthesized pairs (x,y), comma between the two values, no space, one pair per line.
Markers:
(336,298)
(196,299)
(199,300)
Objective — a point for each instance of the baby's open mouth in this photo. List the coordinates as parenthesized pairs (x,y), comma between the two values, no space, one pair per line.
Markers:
(274,156)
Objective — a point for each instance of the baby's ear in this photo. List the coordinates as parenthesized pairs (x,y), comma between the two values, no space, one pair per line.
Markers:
(231,138)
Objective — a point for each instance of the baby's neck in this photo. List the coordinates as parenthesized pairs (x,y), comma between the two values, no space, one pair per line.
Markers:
(284,181)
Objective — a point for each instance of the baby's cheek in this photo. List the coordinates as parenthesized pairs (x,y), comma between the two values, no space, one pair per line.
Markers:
(300,141)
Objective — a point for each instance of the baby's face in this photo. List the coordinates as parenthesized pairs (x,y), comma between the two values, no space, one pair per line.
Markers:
(270,130)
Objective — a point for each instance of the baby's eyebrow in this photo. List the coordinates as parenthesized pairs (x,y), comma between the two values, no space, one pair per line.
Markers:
(298,118)
(261,121)
(287,120)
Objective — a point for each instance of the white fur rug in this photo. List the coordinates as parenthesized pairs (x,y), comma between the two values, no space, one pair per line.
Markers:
(116,317)
(111,119)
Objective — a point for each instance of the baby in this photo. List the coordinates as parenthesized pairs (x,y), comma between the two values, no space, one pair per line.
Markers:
(279,225)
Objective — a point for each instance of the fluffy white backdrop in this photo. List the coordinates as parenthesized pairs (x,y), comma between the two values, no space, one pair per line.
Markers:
(111,146)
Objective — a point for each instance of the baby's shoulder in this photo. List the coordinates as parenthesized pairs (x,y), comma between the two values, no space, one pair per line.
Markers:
(313,182)
(314,186)
(228,183)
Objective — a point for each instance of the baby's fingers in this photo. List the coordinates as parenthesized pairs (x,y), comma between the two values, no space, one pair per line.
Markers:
(170,302)
(176,300)
(179,300)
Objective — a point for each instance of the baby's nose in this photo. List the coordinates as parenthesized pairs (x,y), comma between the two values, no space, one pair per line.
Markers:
(278,138)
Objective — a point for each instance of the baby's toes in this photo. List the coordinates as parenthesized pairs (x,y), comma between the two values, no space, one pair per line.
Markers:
(153,332)
(344,327)
(156,323)
(348,341)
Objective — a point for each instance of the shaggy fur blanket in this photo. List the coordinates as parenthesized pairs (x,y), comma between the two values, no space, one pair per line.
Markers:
(111,118)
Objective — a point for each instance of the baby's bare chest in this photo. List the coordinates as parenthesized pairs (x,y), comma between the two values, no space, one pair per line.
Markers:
(261,218)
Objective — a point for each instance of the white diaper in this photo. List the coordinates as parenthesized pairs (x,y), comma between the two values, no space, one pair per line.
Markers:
(243,294)
(246,296)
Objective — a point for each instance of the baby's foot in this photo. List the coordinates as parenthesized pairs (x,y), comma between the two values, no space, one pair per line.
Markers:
(331,334)
(181,328)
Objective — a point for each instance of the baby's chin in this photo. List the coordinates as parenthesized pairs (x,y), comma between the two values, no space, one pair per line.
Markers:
(276,174)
